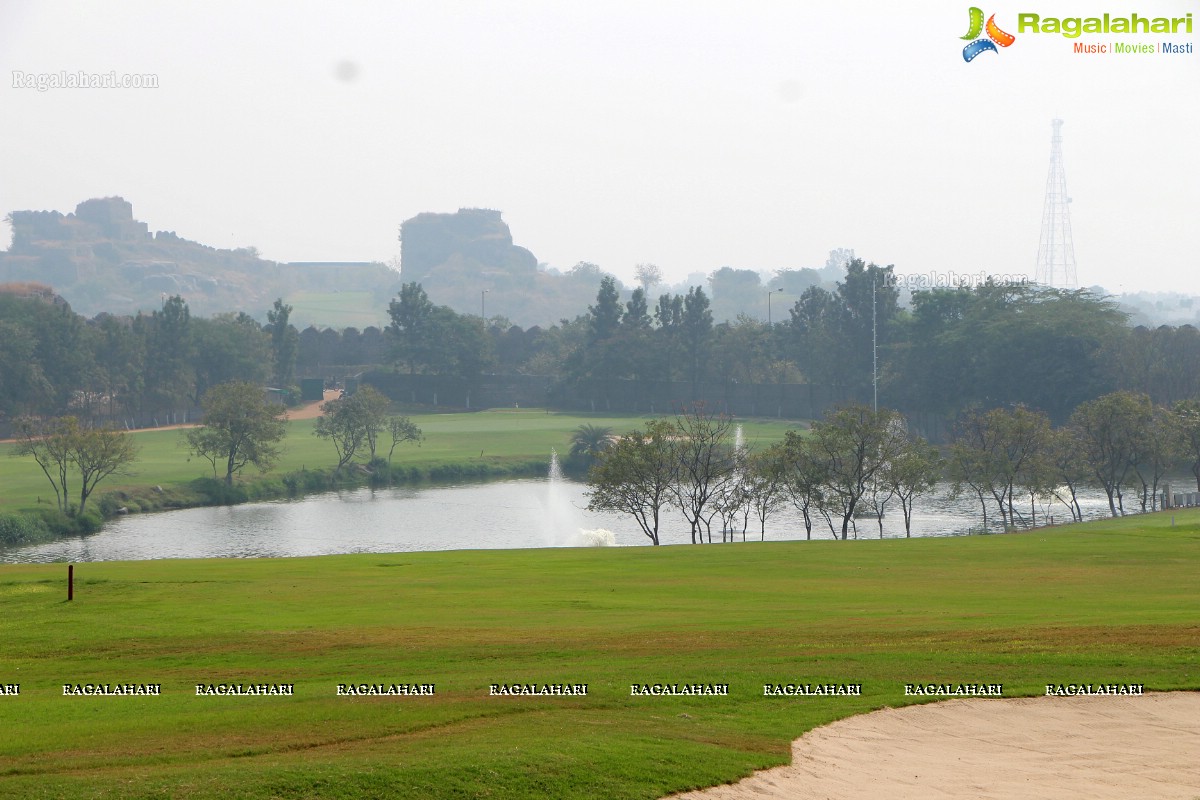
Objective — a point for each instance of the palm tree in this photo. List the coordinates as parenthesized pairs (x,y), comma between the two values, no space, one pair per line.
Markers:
(589,441)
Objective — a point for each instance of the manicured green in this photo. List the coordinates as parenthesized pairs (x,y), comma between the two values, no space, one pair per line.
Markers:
(1105,602)
(337,309)
(492,437)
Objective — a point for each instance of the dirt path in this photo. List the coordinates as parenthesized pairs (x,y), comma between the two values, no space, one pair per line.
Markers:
(310,411)
(1043,748)
(313,409)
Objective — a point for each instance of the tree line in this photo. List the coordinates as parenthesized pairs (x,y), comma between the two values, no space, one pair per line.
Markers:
(1120,443)
(988,345)
(852,463)
(857,461)
(242,427)
(54,362)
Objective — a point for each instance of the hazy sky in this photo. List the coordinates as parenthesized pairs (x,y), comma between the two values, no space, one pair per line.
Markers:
(689,134)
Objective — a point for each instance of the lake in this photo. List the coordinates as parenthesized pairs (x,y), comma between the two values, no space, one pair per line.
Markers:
(500,514)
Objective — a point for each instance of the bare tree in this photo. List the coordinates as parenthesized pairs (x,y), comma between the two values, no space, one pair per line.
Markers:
(648,275)
(706,466)
(402,430)
(98,453)
(765,484)
(48,442)
(62,446)
(634,476)
(803,476)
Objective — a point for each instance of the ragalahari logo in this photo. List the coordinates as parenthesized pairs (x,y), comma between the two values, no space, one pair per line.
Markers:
(995,36)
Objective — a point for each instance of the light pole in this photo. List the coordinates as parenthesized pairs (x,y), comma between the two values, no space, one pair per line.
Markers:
(874,350)
(482,307)
(769,293)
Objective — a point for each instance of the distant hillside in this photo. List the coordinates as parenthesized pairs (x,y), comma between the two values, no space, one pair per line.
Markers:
(467,260)
(102,259)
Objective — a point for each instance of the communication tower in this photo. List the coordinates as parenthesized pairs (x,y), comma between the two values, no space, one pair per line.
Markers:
(1056,251)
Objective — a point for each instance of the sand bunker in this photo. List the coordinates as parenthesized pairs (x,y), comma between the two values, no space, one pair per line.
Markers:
(1050,748)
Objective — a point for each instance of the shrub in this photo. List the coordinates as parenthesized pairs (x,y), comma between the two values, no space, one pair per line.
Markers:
(18,529)
(217,493)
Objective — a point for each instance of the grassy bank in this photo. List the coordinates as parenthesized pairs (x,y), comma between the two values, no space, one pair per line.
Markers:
(482,444)
(1107,602)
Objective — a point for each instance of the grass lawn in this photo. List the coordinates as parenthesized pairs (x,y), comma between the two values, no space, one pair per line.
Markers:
(493,436)
(1105,602)
(337,310)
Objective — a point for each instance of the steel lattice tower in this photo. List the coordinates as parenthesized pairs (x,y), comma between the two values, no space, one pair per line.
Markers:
(1056,251)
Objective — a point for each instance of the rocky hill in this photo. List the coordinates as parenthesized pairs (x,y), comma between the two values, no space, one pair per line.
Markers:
(102,259)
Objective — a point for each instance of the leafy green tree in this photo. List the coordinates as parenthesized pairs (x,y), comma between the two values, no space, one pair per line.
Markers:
(168,374)
(1004,345)
(912,473)
(740,353)
(1162,446)
(435,338)
(832,332)
(605,316)
(636,475)
(241,426)
(226,348)
(460,344)
(637,313)
(372,408)
(118,362)
(24,386)
(816,323)
(1112,430)
(353,423)
(853,446)
(1188,414)
(737,291)
(1068,468)
(46,351)
(285,342)
(696,331)
(1010,447)
(411,326)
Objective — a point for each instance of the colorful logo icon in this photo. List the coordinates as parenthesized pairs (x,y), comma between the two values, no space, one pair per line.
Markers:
(995,36)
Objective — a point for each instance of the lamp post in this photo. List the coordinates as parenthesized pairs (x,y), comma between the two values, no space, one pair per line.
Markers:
(874,351)
(482,307)
(769,293)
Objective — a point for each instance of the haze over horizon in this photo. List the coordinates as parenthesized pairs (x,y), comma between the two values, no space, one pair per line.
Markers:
(759,135)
